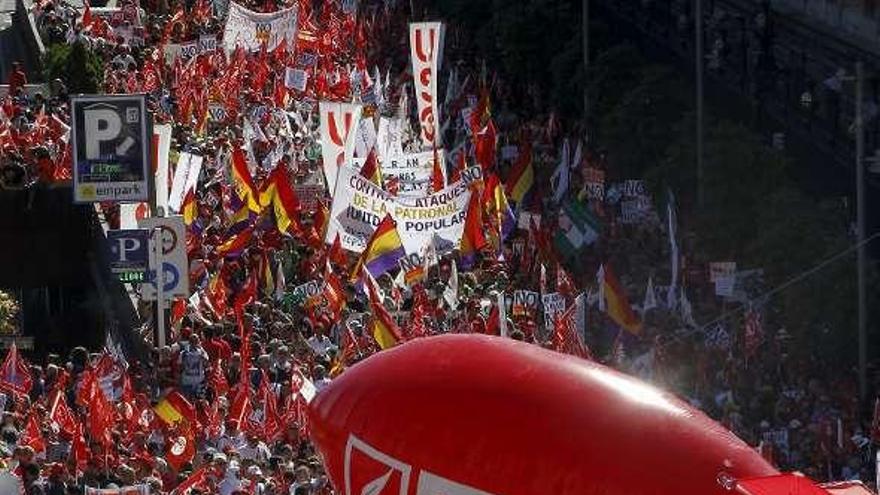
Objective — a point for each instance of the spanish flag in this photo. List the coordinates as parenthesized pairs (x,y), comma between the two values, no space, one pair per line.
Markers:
(174,407)
(384,329)
(283,199)
(522,176)
(383,251)
(613,299)
(243,182)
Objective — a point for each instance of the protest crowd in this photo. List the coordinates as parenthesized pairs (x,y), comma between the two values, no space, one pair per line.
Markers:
(292,281)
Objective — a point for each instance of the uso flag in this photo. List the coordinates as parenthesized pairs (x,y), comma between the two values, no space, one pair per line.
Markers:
(14,375)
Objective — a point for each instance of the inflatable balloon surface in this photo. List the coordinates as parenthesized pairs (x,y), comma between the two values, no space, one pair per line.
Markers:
(481,415)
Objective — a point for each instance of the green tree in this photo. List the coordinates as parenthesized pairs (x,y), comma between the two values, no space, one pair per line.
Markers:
(76,65)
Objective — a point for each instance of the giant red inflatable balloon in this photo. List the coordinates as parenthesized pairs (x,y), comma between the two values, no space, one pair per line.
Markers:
(477,415)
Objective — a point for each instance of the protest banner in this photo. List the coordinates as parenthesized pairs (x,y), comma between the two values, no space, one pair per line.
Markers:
(359,206)
(525,302)
(126,490)
(721,269)
(251,30)
(526,218)
(554,305)
(594,183)
(186,175)
(111,148)
(412,172)
(337,120)
(426,53)
(160,153)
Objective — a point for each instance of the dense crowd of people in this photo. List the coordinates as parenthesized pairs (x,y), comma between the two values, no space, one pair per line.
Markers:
(221,408)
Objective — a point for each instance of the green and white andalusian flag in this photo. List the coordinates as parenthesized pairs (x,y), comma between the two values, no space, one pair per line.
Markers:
(577,228)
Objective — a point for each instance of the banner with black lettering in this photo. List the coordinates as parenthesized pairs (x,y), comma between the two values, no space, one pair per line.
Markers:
(251,30)
(409,174)
(359,206)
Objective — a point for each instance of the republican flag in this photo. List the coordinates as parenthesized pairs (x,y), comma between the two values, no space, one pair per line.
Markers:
(384,329)
(498,208)
(243,182)
(284,201)
(521,177)
(613,300)
(473,240)
(383,251)
(15,376)
(235,244)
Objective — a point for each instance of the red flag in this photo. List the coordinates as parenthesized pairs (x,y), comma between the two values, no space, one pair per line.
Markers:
(247,294)
(15,376)
(240,409)
(493,324)
(101,416)
(87,15)
(370,169)
(271,424)
(195,479)
(178,311)
(437,180)
(61,415)
(217,380)
(80,449)
(336,255)
(32,436)
(566,338)
(180,446)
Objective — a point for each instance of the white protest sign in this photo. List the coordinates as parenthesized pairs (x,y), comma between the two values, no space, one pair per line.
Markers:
(525,302)
(365,137)
(337,120)
(161,149)
(359,206)
(389,141)
(426,53)
(554,305)
(251,30)
(721,269)
(295,79)
(186,175)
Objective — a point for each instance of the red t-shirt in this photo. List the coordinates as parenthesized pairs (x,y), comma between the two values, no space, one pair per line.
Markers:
(218,348)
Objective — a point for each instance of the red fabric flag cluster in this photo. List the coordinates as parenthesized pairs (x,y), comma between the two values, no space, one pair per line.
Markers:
(15,376)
